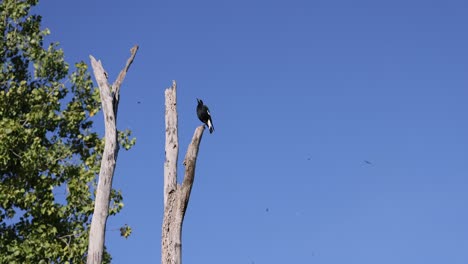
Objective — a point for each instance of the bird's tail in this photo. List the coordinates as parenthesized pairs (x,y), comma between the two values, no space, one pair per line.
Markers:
(210,126)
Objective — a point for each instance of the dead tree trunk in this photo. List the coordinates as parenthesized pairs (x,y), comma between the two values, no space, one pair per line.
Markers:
(176,196)
(110,103)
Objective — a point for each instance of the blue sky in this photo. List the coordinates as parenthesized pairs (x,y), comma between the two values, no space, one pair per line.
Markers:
(302,93)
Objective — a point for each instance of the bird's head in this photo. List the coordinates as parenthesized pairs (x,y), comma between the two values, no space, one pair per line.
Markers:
(200,102)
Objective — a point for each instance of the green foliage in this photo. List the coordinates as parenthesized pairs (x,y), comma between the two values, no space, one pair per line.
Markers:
(124,139)
(49,156)
(125,231)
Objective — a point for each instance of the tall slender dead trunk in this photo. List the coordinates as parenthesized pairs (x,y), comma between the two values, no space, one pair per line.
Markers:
(110,103)
(176,196)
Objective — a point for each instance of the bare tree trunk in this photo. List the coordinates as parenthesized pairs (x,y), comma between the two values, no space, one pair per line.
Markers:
(176,196)
(110,104)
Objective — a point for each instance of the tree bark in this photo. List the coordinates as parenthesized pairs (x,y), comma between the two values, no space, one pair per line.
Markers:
(176,196)
(110,102)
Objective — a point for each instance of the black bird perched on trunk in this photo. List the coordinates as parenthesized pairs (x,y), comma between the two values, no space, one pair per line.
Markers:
(203,114)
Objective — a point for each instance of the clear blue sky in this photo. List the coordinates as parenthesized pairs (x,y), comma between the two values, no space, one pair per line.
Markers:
(302,94)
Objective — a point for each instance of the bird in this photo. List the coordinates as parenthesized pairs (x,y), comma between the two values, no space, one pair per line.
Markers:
(204,115)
